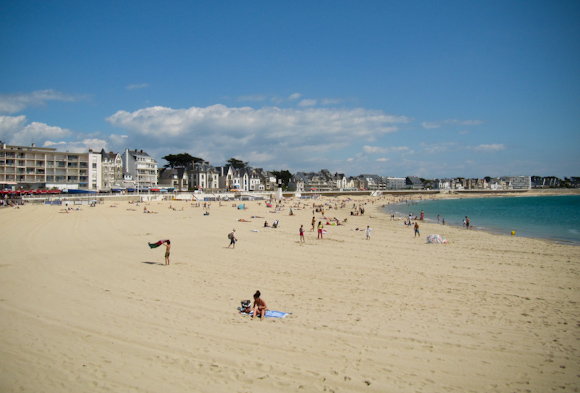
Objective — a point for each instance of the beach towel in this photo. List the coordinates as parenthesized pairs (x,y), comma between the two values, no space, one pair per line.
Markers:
(269,313)
(436,239)
(157,244)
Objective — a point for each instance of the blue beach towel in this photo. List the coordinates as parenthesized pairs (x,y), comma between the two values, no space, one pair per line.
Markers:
(269,314)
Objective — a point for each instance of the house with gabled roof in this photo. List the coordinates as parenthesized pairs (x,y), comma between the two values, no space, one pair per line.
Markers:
(176,178)
(203,176)
(413,182)
(111,169)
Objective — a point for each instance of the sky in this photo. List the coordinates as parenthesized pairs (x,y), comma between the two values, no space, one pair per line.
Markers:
(395,88)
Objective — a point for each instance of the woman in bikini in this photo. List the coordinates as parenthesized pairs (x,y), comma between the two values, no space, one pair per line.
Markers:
(259,306)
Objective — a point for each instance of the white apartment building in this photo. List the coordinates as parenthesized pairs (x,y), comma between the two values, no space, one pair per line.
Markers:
(394,183)
(141,167)
(32,167)
(518,182)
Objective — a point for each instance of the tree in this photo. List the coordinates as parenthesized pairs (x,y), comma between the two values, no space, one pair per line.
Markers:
(180,160)
(237,164)
(283,175)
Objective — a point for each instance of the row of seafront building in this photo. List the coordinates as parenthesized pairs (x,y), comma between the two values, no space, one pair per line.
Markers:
(32,167)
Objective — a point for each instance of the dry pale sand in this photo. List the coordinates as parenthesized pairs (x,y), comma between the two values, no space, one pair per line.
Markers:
(87,306)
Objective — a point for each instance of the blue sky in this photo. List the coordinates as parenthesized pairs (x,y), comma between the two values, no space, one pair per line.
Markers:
(426,88)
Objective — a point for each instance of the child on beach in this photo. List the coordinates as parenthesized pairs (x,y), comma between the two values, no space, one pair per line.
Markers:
(302,234)
(167,251)
(320,229)
(369,232)
(259,306)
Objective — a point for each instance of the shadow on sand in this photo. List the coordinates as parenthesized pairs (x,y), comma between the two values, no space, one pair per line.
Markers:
(154,263)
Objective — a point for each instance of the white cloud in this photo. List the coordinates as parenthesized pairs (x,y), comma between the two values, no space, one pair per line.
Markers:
(450,122)
(15,131)
(307,102)
(438,148)
(490,148)
(78,147)
(137,86)
(12,103)
(272,133)
(10,125)
(294,96)
(383,150)
(383,159)
(330,101)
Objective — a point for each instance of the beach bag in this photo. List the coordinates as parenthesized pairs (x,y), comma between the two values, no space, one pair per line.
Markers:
(230,236)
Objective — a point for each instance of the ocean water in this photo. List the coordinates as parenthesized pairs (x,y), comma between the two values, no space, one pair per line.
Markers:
(555,218)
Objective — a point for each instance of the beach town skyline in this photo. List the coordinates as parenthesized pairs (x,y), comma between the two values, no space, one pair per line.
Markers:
(483,89)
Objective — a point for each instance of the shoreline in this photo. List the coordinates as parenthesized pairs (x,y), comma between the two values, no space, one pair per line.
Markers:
(495,231)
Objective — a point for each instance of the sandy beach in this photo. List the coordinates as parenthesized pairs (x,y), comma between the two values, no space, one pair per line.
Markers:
(87,306)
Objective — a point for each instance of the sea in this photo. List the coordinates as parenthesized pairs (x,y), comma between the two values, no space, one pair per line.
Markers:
(555,218)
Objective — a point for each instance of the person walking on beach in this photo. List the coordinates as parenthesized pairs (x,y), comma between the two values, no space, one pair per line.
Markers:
(259,306)
(233,238)
(320,229)
(417,229)
(369,232)
(302,234)
(167,251)
(466,222)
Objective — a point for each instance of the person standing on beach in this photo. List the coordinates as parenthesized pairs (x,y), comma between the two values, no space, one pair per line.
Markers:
(466,222)
(437,218)
(320,229)
(417,229)
(233,239)
(167,251)
(302,234)
(369,229)
(313,223)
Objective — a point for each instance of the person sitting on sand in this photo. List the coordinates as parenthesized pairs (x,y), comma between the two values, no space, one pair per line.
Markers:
(259,306)
(266,224)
